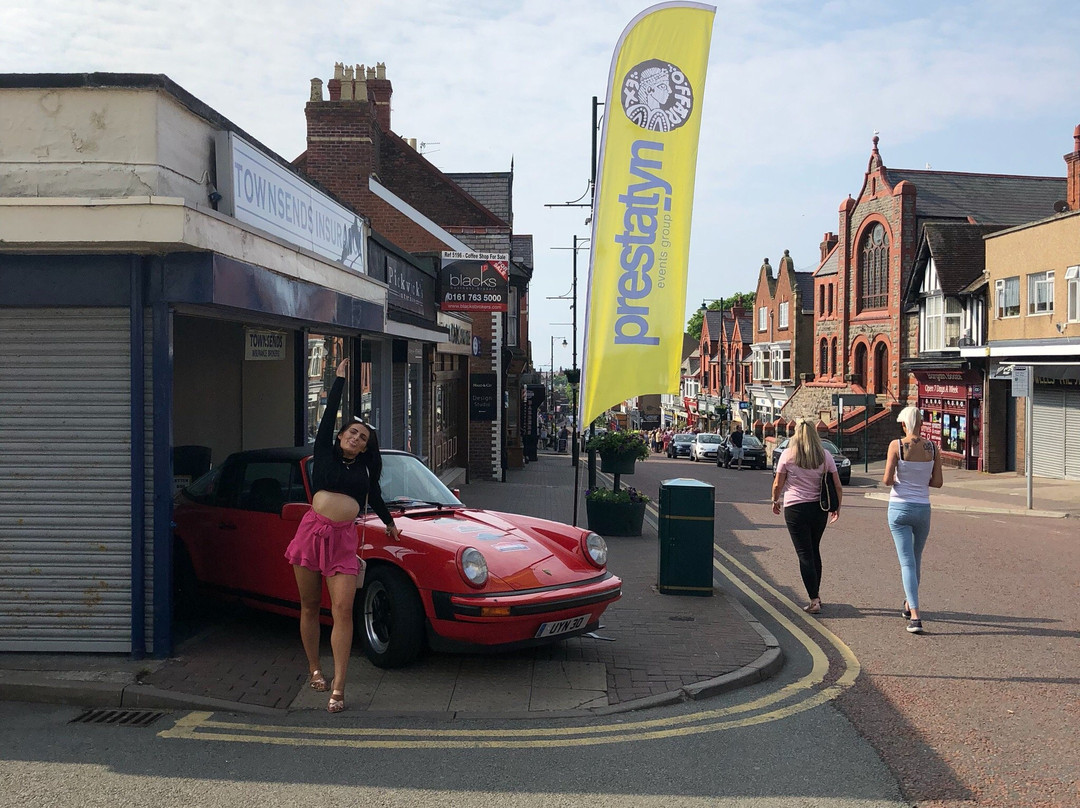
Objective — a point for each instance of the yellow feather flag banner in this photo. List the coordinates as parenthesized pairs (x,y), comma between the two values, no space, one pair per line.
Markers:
(641,212)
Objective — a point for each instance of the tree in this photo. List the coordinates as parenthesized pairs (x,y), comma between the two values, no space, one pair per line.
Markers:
(744,299)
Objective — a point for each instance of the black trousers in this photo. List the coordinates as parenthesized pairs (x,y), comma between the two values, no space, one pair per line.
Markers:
(806,524)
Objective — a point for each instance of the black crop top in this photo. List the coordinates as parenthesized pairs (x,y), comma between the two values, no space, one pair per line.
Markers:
(330,472)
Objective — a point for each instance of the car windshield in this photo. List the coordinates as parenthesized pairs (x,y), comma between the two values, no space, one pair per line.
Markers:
(750,442)
(684,438)
(831,447)
(704,437)
(406,481)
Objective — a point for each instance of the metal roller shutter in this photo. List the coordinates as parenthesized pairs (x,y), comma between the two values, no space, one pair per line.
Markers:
(1071,447)
(1048,432)
(65,486)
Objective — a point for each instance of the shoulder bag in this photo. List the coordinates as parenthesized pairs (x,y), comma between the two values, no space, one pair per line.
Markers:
(828,498)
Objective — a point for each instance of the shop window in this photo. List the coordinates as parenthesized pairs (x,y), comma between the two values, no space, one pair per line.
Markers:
(1007,297)
(324,354)
(1072,285)
(874,269)
(784,314)
(1041,293)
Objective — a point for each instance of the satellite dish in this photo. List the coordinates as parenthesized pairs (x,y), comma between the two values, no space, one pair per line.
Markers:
(1061,206)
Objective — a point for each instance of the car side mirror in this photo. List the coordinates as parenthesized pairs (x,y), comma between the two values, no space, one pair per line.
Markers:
(456,492)
(294,511)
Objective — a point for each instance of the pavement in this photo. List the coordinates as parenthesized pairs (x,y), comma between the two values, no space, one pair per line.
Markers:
(652,649)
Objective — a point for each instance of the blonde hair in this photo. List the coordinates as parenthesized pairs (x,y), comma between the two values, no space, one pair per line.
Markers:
(806,445)
(910,417)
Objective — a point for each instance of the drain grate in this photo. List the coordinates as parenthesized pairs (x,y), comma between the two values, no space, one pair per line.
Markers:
(119,718)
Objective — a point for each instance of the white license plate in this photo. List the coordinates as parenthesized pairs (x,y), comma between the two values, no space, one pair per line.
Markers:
(561,626)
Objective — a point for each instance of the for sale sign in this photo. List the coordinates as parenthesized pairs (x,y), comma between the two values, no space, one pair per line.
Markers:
(475,281)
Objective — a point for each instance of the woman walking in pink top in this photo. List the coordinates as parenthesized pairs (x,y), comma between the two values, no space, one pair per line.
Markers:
(912,468)
(798,478)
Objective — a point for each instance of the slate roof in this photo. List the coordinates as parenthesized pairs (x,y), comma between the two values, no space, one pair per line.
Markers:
(492,189)
(831,264)
(805,282)
(959,255)
(712,318)
(521,252)
(746,328)
(986,198)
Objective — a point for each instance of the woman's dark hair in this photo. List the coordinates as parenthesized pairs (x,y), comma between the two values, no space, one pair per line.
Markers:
(371,456)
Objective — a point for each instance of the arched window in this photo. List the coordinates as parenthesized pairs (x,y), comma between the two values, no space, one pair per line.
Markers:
(874,269)
(823,358)
(832,368)
(881,368)
(860,364)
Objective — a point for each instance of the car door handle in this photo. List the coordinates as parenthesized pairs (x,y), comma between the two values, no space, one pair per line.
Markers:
(226,526)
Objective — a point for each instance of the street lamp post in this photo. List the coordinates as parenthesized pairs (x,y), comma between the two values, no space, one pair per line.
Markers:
(551,386)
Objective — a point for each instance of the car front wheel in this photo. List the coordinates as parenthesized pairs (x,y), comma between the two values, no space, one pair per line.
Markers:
(389,617)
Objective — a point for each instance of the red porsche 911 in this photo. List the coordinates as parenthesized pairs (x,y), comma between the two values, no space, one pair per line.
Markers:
(458,579)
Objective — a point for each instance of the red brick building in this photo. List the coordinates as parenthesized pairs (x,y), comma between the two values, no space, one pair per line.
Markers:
(864,338)
(353,152)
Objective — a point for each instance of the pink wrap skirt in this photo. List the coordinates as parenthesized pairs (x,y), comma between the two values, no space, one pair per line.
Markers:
(325,546)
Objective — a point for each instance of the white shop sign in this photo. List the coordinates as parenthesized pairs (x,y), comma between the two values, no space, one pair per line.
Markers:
(262,346)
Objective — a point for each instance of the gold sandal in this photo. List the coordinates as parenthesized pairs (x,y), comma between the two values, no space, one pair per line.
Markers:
(318,681)
(336,703)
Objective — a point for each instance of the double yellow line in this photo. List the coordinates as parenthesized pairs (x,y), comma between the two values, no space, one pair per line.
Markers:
(803,694)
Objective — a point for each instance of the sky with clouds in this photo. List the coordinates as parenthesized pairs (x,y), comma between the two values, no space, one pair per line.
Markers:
(794,94)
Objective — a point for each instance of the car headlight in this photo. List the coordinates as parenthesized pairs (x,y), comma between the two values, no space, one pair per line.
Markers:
(473,566)
(844,461)
(595,549)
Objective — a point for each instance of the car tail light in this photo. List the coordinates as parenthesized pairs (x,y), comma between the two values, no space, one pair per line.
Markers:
(594,549)
(473,566)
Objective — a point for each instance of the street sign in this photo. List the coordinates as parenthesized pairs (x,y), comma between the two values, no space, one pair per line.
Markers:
(1021,381)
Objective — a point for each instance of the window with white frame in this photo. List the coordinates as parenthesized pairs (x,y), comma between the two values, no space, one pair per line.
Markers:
(512,318)
(762,318)
(941,323)
(1041,293)
(1072,285)
(1007,297)
(781,364)
(761,365)
(784,314)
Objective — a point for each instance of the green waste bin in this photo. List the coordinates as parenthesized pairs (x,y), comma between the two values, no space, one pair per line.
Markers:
(686,537)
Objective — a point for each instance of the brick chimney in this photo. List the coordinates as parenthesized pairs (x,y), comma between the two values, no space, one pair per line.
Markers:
(343,134)
(1072,163)
(827,243)
(380,90)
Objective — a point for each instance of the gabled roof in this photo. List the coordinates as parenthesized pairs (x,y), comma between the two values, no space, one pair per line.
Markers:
(492,189)
(959,255)
(986,198)
(712,320)
(831,264)
(805,281)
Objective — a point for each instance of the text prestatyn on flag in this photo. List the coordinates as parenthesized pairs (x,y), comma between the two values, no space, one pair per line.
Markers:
(641,211)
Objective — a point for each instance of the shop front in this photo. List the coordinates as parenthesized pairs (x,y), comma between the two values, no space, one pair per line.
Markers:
(951,402)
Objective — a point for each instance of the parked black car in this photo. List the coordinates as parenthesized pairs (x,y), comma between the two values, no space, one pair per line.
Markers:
(753,452)
(843,465)
(679,445)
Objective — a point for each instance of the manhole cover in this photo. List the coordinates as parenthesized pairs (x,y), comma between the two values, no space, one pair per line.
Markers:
(120,718)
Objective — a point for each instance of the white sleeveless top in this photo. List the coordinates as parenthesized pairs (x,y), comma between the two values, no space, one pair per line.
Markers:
(912,482)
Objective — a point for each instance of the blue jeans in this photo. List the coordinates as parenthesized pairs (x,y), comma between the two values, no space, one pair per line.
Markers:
(910,525)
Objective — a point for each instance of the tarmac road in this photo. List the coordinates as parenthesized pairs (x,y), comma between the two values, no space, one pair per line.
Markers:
(984,708)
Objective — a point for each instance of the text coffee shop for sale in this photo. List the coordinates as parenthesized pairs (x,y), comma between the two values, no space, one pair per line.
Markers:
(951,402)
